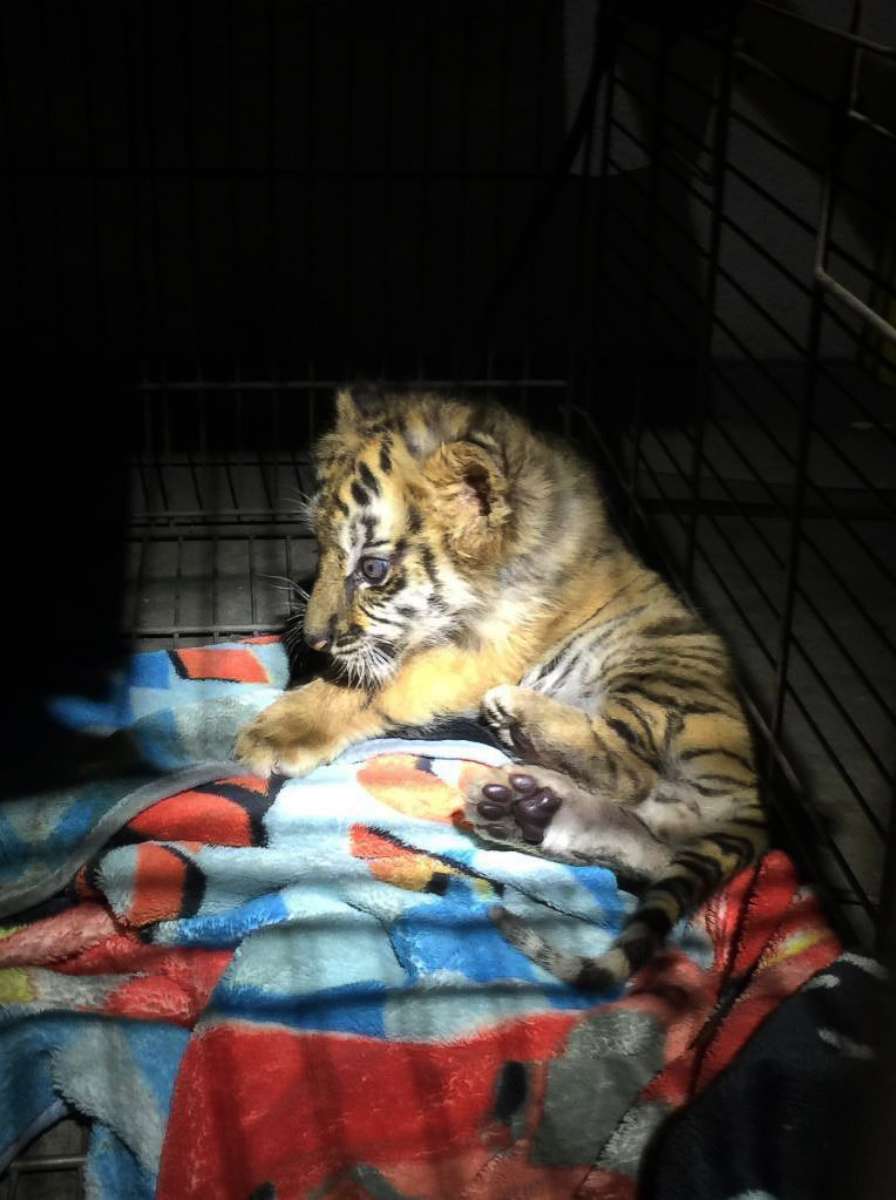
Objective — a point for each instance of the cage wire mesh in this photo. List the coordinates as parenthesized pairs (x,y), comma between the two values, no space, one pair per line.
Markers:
(669,236)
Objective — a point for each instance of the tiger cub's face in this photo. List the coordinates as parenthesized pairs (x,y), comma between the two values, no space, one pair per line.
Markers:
(405,523)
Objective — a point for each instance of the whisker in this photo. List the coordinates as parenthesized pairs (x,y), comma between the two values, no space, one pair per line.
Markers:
(304,508)
(286,582)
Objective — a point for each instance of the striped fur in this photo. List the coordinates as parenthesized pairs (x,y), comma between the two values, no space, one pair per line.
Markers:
(507,593)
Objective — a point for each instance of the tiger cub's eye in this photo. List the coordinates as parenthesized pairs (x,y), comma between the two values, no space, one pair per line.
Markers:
(374,570)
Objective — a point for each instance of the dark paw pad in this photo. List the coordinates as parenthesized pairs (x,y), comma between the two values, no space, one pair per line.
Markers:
(530,807)
(522,783)
(538,807)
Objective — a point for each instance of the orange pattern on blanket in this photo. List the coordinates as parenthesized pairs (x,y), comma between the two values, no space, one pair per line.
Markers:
(160,883)
(196,815)
(393,863)
(220,662)
(399,781)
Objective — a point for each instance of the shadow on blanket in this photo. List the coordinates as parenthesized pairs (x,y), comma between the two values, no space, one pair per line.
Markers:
(293,988)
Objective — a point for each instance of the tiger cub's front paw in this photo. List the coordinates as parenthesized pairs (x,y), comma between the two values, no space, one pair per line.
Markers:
(503,709)
(276,742)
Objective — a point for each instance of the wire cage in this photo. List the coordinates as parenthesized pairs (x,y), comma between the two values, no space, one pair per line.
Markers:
(667,235)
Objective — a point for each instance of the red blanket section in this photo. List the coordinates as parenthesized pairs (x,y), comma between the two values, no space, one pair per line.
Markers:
(266,1111)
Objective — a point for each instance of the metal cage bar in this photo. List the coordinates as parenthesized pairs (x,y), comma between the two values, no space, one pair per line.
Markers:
(806,499)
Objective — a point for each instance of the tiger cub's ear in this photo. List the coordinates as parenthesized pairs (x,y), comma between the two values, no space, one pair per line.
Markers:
(358,405)
(470,499)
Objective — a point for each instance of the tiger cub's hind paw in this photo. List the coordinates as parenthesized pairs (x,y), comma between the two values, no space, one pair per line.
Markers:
(511,806)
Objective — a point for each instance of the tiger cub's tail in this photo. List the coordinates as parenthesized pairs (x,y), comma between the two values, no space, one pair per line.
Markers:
(699,868)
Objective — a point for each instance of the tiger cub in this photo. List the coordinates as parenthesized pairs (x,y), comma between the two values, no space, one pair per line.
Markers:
(467,566)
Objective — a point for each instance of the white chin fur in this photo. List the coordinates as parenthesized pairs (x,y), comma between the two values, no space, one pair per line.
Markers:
(367,668)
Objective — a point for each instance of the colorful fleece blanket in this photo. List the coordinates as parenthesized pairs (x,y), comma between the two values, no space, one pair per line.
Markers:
(293,988)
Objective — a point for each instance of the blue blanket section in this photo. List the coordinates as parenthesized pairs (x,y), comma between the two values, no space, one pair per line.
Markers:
(151,685)
(172,723)
(50,1067)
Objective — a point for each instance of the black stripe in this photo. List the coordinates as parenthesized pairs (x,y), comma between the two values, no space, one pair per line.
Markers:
(594,978)
(729,843)
(674,726)
(368,478)
(725,779)
(387,650)
(641,753)
(704,710)
(681,889)
(657,920)
(687,683)
(194,883)
(396,582)
(359,494)
(606,628)
(382,619)
(708,870)
(700,751)
(642,721)
(673,627)
(638,951)
(385,458)
(568,666)
(632,689)
(546,668)
(705,790)
(643,660)
(429,564)
(370,529)
(415,520)
(341,505)
(624,731)
(662,797)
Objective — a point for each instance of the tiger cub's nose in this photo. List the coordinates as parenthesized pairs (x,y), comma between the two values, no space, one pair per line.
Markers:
(318,641)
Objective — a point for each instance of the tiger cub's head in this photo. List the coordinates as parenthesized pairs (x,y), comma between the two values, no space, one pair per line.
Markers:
(411,515)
